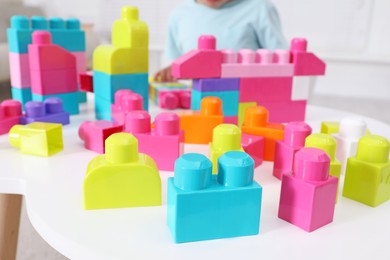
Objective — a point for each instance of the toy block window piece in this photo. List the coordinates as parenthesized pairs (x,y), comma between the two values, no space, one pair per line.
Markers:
(52,68)
(19,34)
(49,111)
(367,177)
(205,62)
(295,134)
(122,177)
(305,63)
(125,102)
(202,206)
(10,113)
(254,146)
(308,194)
(41,139)
(86,81)
(301,87)
(166,133)
(256,123)
(226,137)
(262,63)
(330,127)
(198,125)
(94,134)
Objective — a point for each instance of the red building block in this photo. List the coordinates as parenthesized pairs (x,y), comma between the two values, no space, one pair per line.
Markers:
(305,63)
(254,146)
(10,113)
(86,81)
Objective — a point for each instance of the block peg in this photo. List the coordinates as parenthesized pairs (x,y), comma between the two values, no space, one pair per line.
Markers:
(211,106)
(227,137)
(53,105)
(11,107)
(121,148)
(137,122)
(207,42)
(324,142)
(295,133)
(353,128)
(299,44)
(312,165)
(39,23)
(35,109)
(167,124)
(20,22)
(235,169)
(373,149)
(130,13)
(41,37)
(256,116)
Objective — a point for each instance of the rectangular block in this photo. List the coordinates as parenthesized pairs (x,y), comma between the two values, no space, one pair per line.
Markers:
(214,85)
(285,111)
(229,100)
(19,39)
(239,70)
(72,40)
(21,94)
(102,108)
(301,88)
(70,101)
(265,89)
(49,82)
(19,70)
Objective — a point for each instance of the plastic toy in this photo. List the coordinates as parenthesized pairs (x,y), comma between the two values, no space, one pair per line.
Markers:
(86,81)
(226,137)
(170,95)
(164,143)
(242,107)
(125,102)
(41,139)
(295,134)
(94,134)
(256,123)
(367,177)
(121,177)
(209,116)
(254,146)
(70,101)
(202,206)
(308,195)
(10,113)
(330,127)
(49,111)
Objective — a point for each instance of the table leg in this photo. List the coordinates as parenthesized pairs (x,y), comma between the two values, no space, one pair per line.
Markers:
(10,206)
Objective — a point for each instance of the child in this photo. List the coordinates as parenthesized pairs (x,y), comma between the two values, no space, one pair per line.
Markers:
(237,24)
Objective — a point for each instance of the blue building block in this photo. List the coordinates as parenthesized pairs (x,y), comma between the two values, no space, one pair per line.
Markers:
(229,100)
(67,34)
(214,85)
(105,85)
(70,101)
(82,97)
(202,206)
(21,94)
(102,108)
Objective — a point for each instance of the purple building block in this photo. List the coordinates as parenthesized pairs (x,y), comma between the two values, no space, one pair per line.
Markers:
(210,85)
(49,111)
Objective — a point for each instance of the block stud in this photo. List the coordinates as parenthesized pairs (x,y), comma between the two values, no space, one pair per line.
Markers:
(324,142)
(264,56)
(12,107)
(129,13)
(39,23)
(373,149)
(256,116)
(53,105)
(56,23)
(35,109)
(353,128)
(299,44)
(246,56)
(211,106)
(207,42)
(41,37)
(295,133)
(121,148)
(235,169)
(227,137)
(137,122)
(229,56)
(312,165)
(20,22)
(167,124)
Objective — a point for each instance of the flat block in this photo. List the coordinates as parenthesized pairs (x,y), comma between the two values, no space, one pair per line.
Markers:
(216,85)
(10,113)
(286,111)
(229,100)
(70,101)
(301,87)
(21,94)
(121,177)
(102,108)
(192,206)
(49,82)
(254,146)
(19,70)
(242,106)
(49,111)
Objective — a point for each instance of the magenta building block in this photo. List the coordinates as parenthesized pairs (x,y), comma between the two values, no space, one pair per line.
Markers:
(164,143)
(10,113)
(305,63)
(19,70)
(125,101)
(254,146)
(285,111)
(308,194)
(295,134)
(49,111)
(265,89)
(94,134)
(174,99)
(230,120)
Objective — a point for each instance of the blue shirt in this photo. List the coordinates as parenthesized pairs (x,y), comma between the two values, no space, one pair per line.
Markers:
(240,24)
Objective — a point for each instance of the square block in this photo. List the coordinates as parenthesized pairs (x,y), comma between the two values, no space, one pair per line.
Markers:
(215,85)
(229,100)
(70,101)
(19,70)
(286,111)
(49,82)
(21,94)
(265,89)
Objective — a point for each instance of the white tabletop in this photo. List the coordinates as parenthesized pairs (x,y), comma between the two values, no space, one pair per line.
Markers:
(54,198)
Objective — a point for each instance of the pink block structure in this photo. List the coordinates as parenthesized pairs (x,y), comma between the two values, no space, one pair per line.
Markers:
(205,62)
(265,89)
(125,101)
(164,143)
(308,195)
(305,63)
(94,134)
(230,120)
(52,68)
(19,70)
(254,146)
(173,99)
(295,134)
(285,111)
(10,113)
(81,63)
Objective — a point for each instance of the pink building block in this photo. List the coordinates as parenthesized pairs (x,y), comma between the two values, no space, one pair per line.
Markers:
(173,99)
(125,101)
(254,146)
(19,70)
(81,63)
(285,111)
(305,63)
(262,63)
(94,134)
(295,134)
(230,120)
(205,62)
(308,195)
(52,68)
(10,113)
(164,143)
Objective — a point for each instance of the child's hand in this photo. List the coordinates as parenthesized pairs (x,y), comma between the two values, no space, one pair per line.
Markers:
(164,75)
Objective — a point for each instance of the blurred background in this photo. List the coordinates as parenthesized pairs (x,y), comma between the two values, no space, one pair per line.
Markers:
(352,36)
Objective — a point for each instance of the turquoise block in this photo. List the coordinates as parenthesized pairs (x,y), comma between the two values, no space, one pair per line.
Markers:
(82,97)
(202,206)
(105,85)
(67,34)
(70,101)
(229,100)
(21,94)
(19,34)
(102,108)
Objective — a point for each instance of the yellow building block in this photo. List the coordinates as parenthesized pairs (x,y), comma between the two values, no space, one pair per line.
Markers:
(42,139)
(241,111)
(122,177)
(333,128)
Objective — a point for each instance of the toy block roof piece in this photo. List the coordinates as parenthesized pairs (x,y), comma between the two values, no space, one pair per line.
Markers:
(205,62)
(305,63)
(50,111)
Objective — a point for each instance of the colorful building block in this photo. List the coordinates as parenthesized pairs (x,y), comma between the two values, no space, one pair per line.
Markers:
(94,134)
(229,100)
(285,111)
(67,34)
(102,108)
(197,200)
(295,134)
(19,70)
(86,81)
(216,85)
(121,177)
(125,102)
(209,116)
(367,177)
(10,113)
(242,107)
(41,139)
(170,95)
(69,100)
(166,134)
(308,195)
(49,111)
(330,127)
(256,123)
(23,95)
(305,63)
(254,146)
(230,120)
(226,137)
(19,34)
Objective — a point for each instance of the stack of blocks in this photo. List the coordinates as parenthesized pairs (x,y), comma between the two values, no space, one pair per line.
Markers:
(170,95)
(276,80)
(67,34)
(122,65)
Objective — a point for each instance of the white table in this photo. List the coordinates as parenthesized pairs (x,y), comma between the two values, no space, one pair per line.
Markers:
(53,192)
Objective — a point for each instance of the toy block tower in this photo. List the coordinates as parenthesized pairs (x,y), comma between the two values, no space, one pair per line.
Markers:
(122,65)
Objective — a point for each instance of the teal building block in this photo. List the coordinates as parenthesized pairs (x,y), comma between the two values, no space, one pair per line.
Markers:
(229,100)
(202,206)
(21,94)
(82,97)
(70,101)
(67,34)
(102,108)
(105,85)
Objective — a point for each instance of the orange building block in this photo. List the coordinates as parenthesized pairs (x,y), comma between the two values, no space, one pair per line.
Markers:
(256,123)
(198,125)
